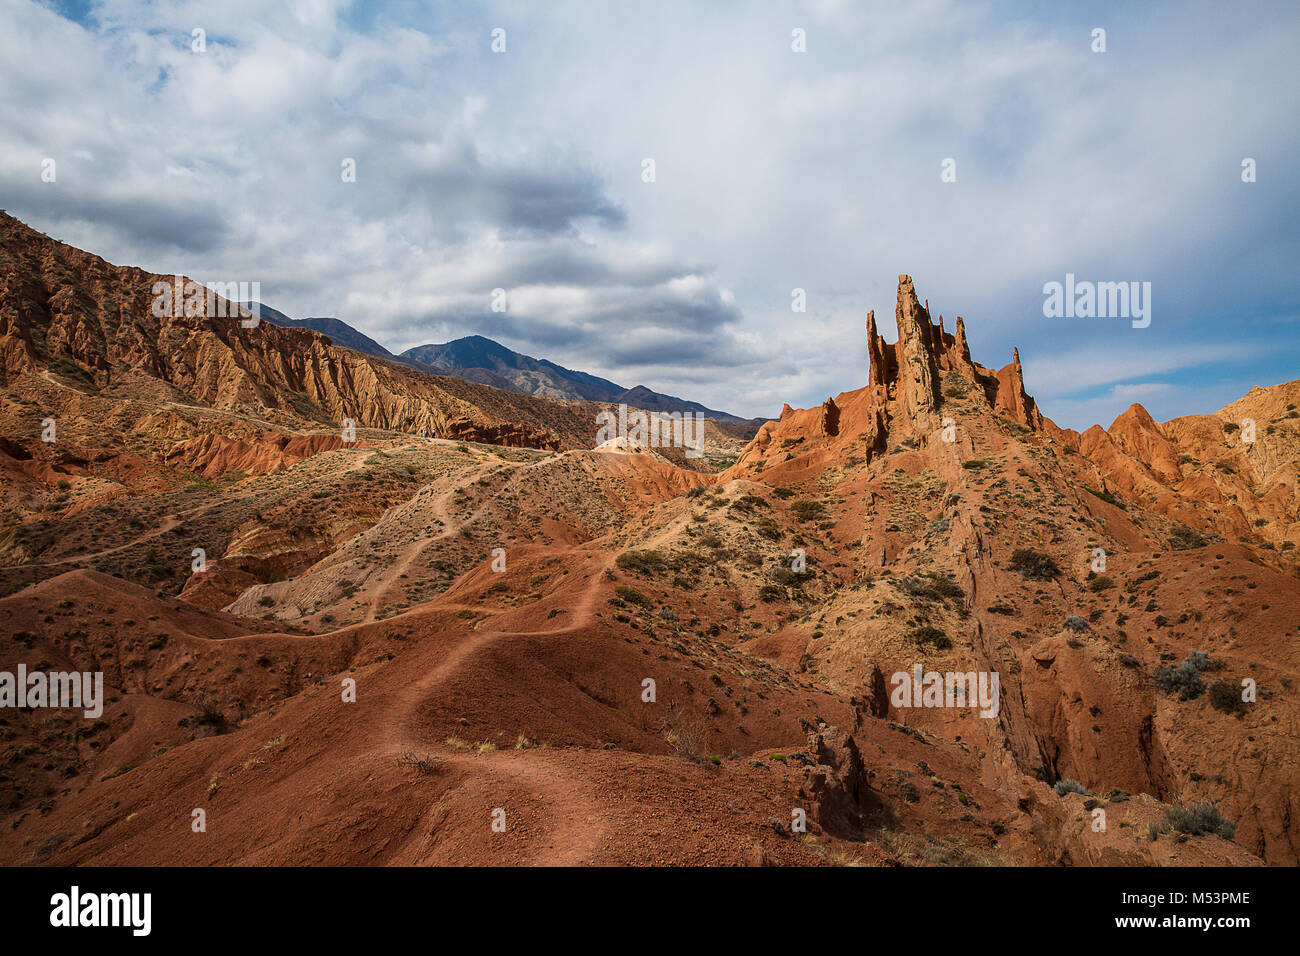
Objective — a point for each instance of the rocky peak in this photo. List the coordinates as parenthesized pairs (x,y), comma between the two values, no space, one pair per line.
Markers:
(906,378)
(918,344)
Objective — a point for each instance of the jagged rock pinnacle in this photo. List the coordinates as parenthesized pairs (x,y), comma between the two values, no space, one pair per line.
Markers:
(875,353)
(917,376)
(906,378)
(830,422)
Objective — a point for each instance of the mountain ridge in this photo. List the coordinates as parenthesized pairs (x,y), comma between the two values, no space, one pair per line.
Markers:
(506,368)
(477,358)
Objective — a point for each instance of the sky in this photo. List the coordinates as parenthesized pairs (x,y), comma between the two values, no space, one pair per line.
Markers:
(986,149)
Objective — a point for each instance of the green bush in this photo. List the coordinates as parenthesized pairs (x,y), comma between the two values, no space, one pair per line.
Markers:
(932,586)
(928,634)
(1185,679)
(747,503)
(632,595)
(1225,695)
(1034,565)
(806,510)
(1067,785)
(1200,819)
(785,577)
(1185,539)
(1107,497)
(641,562)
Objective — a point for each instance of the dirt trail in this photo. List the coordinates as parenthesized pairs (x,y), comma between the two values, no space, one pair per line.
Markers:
(169,522)
(395,571)
(439,511)
(570,796)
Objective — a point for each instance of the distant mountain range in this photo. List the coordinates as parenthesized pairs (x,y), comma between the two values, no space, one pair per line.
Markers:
(339,332)
(476,358)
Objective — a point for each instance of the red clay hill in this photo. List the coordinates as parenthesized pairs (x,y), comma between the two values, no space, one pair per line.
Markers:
(398,642)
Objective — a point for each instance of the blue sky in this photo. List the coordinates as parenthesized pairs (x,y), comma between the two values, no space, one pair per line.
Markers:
(775,170)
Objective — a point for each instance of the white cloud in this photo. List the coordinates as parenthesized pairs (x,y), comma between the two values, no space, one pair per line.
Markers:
(1080,370)
(818,170)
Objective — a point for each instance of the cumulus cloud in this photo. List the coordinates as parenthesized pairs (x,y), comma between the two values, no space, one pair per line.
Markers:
(775,170)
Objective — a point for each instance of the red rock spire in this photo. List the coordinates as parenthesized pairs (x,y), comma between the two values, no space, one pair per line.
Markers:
(918,391)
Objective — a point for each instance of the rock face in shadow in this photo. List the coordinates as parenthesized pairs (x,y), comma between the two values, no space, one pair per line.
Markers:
(837,783)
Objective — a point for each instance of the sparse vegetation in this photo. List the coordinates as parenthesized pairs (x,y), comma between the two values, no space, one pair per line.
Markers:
(928,635)
(641,562)
(686,735)
(931,586)
(1107,497)
(1184,538)
(1034,565)
(1067,785)
(353,556)
(1225,695)
(1185,679)
(426,764)
(632,596)
(1199,819)
(806,510)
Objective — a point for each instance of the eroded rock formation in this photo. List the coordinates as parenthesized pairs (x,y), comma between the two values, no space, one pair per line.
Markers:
(907,380)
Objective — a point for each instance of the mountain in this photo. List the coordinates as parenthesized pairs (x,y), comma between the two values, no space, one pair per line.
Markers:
(339,332)
(349,652)
(66,311)
(476,358)
(480,359)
